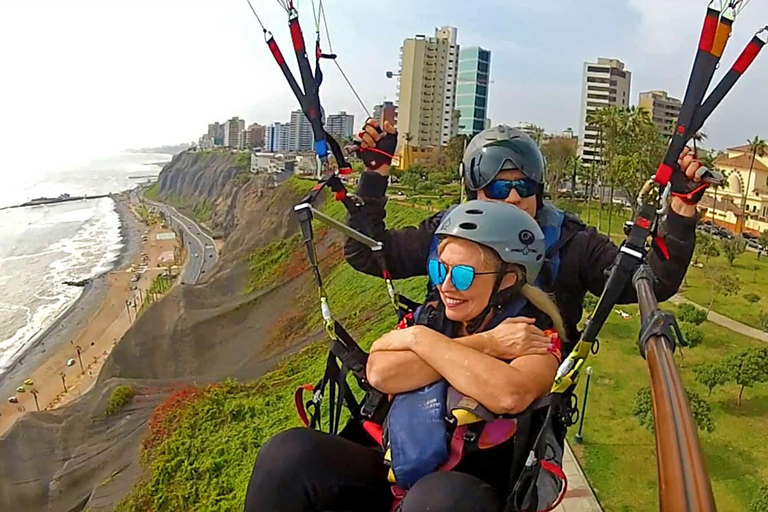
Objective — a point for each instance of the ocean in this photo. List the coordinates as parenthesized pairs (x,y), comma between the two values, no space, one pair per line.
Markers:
(43,246)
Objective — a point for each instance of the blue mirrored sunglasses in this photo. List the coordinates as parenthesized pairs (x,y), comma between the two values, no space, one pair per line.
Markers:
(462,276)
(500,189)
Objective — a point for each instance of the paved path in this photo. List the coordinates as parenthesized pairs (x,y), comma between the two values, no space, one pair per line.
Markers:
(579,497)
(724,321)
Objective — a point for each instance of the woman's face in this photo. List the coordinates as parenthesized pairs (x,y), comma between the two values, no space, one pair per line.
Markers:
(464,306)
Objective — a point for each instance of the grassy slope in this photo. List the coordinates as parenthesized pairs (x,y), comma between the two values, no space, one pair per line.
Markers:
(752,281)
(205,462)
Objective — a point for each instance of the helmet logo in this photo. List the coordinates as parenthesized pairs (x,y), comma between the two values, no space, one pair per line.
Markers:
(527,238)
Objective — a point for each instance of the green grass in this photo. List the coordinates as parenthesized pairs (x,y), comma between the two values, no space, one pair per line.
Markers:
(266,264)
(698,289)
(202,211)
(119,398)
(737,456)
(243,159)
(153,192)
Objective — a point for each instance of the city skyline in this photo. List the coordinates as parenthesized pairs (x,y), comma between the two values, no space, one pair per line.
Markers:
(130,80)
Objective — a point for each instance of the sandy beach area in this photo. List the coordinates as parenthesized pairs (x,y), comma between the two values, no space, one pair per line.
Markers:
(94,323)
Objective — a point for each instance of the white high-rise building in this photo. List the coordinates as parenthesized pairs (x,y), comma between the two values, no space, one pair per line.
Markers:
(232,132)
(341,124)
(605,83)
(301,136)
(426,94)
(277,138)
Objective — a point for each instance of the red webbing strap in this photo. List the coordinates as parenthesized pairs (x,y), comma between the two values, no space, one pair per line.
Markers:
(456,449)
(375,431)
(298,398)
(296,36)
(709,31)
(748,55)
(558,472)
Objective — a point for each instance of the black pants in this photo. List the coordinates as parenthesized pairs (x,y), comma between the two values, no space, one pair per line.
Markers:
(302,470)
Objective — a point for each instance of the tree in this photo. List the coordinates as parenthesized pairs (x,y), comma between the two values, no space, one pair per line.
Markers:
(722,283)
(536,132)
(763,240)
(692,333)
(748,368)
(632,148)
(689,313)
(711,375)
(752,298)
(732,249)
(757,147)
(642,408)
(559,153)
(705,246)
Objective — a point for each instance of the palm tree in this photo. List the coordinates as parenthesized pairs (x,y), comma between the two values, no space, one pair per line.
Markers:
(595,119)
(708,160)
(697,137)
(758,147)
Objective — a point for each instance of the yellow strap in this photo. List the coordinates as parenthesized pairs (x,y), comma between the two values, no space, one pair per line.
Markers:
(464,417)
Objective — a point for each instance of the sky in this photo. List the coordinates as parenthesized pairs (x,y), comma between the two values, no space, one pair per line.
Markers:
(91,77)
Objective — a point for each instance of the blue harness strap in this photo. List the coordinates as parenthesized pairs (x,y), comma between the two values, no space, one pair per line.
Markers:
(550,220)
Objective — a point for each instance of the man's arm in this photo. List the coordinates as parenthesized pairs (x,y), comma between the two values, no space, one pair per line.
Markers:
(405,250)
(598,253)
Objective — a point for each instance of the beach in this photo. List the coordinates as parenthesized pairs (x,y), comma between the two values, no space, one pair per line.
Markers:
(95,322)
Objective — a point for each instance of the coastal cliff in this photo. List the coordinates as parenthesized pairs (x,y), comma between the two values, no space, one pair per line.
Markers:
(257,307)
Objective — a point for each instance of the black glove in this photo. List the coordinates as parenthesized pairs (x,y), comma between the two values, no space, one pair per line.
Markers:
(689,191)
(375,146)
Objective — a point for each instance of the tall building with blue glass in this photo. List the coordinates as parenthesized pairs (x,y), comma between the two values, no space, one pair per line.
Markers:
(472,90)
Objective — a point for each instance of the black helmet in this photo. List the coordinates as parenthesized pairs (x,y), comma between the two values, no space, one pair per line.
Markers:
(491,150)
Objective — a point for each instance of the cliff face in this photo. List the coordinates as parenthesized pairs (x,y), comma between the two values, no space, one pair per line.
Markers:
(235,204)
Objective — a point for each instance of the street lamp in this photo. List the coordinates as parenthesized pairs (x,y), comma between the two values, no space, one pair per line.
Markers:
(579,438)
(391,74)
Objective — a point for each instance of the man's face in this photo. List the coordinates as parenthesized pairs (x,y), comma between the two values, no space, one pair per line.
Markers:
(527,204)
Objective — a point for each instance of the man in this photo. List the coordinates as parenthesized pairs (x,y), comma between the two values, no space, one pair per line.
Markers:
(504,164)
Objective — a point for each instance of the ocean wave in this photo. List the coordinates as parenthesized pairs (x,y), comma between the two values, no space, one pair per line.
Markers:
(90,252)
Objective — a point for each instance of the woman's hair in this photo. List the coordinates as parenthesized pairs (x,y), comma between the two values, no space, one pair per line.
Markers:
(536,296)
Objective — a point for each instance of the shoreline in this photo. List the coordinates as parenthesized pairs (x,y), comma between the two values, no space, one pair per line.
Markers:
(66,325)
(96,323)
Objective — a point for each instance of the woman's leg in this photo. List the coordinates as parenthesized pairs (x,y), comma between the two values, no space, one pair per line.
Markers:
(449,491)
(304,470)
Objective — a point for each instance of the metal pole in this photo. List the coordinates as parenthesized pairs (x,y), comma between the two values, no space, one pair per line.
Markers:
(579,438)
(684,484)
(34,394)
(79,358)
(128,309)
(64,381)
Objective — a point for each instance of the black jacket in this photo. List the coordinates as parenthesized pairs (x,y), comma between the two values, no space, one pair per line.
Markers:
(584,259)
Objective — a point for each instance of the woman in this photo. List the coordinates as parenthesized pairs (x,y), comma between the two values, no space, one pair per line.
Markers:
(481,271)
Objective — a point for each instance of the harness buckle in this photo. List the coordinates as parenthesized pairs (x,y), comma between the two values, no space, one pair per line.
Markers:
(470,437)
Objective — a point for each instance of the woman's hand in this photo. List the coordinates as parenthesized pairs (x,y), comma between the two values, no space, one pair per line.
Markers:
(398,340)
(516,337)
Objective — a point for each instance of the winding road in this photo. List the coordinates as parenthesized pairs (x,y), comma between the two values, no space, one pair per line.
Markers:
(201,249)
